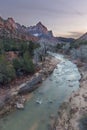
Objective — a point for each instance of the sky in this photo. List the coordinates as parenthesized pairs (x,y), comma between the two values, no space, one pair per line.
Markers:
(64,17)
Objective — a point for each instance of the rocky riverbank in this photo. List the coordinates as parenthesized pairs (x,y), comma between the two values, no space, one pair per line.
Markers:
(72,114)
(16,96)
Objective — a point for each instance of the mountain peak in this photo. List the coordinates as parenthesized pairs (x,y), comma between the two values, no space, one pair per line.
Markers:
(39,23)
(9,28)
(41,26)
(10,20)
(83,37)
(41,31)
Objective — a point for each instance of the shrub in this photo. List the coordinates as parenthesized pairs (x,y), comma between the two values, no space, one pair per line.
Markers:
(7,71)
(28,64)
(18,63)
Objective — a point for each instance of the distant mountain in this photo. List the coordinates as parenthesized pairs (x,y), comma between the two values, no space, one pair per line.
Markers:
(63,39)
(83,37)
(39,30)
(81,40)
(44,35)
(9,28)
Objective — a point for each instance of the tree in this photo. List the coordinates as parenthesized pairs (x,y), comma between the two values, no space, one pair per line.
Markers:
(31,47)
(7,71)
(18,63)
(28,64)
(23,48)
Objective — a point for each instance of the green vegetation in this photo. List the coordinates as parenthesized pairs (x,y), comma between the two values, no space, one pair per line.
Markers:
(7,44)
(7,71)
(77,44)
(19,65)
(28,65)
(59,46)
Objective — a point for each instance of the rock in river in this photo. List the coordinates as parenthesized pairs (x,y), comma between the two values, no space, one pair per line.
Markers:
(19,105)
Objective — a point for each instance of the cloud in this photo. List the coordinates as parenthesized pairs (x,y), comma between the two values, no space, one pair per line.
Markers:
(75,34)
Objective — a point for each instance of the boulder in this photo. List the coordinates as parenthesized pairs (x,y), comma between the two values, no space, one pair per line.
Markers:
(31,85)
(19,105)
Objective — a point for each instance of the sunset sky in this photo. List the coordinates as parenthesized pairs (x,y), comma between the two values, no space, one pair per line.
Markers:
(64,17)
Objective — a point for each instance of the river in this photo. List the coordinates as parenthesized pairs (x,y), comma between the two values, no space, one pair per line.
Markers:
(52,92)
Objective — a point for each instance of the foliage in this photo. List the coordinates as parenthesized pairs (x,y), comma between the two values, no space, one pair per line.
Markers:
(31,47)
(77,44)
(7,72)
(23,48)
(28,64)
(18,63)
(23,64)
(7,44)
(59,46)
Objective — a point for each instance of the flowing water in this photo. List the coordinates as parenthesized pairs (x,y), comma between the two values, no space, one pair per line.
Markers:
(52,92)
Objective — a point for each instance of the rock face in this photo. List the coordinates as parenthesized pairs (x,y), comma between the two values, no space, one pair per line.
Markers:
(65,40)
(10,24)
(83,37)
(31,85)
(1,23)
(9,28)
(19,105)
(40,31)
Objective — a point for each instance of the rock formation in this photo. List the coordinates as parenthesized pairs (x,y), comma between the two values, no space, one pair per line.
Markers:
(10,29)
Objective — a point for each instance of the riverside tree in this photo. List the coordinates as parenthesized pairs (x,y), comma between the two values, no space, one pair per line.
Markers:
(7,71)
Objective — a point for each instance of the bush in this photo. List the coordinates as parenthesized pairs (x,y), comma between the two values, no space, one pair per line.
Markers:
(31,47)
(18,63)
(28,64)
(59,46)
(23,48)
(23,64)
(7,71)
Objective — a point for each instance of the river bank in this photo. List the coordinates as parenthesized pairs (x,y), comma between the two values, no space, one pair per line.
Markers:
(20,92)
(72,114)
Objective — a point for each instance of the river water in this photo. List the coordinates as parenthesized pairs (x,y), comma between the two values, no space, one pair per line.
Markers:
(52,92)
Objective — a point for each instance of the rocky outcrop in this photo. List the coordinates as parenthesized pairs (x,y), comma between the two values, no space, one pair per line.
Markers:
(10,24)
(66,40)
(31,85)
(10,29)
(1,23)
(40,31)
(82,38)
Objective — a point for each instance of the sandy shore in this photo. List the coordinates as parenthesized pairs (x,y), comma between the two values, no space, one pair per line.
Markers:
(74,110)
